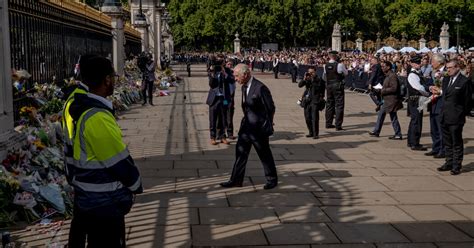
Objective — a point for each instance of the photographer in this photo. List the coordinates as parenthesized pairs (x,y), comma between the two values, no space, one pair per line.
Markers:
(312,101)
(218,99)
(147,67)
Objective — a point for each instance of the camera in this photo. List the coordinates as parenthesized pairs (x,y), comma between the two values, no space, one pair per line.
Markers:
(142,61)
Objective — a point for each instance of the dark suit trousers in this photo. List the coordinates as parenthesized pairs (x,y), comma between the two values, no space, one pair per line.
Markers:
(147,87)
(217,113)
(436,133)
(242,150)
(452,138)
(311,116)
(335,104)
(415,126)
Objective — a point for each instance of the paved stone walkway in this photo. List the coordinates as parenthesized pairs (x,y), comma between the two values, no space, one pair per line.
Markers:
(346,189)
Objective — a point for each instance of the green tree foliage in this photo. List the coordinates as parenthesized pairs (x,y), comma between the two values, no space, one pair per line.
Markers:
(211,24)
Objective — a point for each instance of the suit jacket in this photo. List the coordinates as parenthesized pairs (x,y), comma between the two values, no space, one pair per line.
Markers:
(391,93)
(457,99)
(258,109)
(376,75)
(216,85)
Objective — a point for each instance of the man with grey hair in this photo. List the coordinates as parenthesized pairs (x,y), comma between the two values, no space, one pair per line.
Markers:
(456,92)
(255,129)
(437,74)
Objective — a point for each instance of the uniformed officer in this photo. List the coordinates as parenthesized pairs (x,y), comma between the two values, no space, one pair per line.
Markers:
(334,73)
(416,88)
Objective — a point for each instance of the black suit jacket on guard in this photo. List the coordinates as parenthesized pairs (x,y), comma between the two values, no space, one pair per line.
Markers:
(258,109)
(457,99)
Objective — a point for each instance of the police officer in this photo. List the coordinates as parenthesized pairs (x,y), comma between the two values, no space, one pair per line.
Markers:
(101,169)
(334,73)
(416,88)
(312,99)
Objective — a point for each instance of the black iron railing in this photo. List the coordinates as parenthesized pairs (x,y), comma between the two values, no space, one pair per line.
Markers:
(47,40)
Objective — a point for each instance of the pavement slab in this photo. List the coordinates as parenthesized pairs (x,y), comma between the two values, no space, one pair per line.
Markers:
(298,233)
(432,232)
(366,214)
(228,235)
(366,233)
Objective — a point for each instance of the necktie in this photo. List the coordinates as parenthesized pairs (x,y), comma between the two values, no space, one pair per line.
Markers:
(244,93)
(450,82)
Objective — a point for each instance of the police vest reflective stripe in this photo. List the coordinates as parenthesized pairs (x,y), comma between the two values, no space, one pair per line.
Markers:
(97,146)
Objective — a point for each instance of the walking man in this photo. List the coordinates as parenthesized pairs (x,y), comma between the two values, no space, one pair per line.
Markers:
(255,129)
(392,102)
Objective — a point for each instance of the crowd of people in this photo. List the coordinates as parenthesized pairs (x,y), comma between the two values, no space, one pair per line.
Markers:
(439,83)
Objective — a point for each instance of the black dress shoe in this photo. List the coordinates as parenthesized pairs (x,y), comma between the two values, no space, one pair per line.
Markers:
(418,148)
(330,126)
(371,133)
(439,156)
(339,129)
(455,172)
(395,137)
(445,168)
(309,135)
(316,137)
(431,153)
(270,185)
(230,184)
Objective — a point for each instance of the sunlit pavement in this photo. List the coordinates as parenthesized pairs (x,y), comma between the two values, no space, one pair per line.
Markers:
(345,189)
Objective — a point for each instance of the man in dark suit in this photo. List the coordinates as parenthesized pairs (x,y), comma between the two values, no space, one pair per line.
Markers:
(437,74)
(218,99)
(376,76)
(456,92)
(255,128)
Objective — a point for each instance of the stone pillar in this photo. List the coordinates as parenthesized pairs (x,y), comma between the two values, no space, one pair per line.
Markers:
(159,42)
(8,137)
(336,37)
(145,40)
(118,50)
(378,41)
(113,8)
(444,37)
(359,44)
(6,98)
(236,43)
(422,43)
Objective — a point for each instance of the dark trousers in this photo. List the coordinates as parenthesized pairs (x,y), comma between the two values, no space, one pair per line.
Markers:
(381,118)
(335,104)
(229,111)
(452,138)
(218,118)
(99,231)
(436,133)
(293,76)
(311,116)
(415,125)
(242,150)
(189,72)
(275,71)
(147,87)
